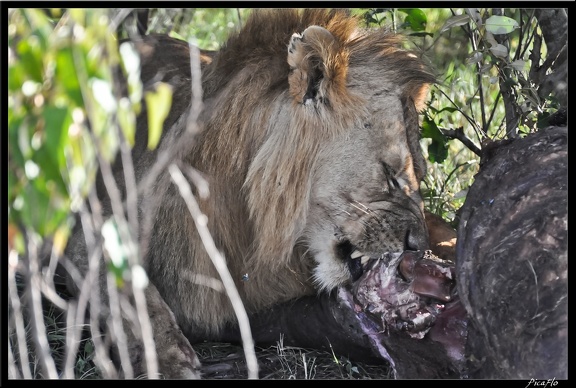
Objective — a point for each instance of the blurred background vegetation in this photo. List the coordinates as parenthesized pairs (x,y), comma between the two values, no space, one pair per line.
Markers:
(66,114)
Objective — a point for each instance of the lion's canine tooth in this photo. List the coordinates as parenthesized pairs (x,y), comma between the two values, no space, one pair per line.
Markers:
(355,254)
(364,259)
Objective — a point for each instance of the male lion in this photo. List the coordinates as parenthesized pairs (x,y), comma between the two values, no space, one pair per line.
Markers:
(309,141)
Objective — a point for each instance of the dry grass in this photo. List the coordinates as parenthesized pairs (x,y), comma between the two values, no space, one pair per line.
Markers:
(220,361)
(226,361)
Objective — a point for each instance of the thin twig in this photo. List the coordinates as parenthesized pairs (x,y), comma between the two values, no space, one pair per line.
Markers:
(201,222)
(17,314)
(37,321)
(458,133)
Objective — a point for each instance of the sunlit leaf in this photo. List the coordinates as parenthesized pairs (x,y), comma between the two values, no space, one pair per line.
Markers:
(103,94)
(130,58)
(501,24)
(158,103)
(175,35)
(131,62)
(127,120)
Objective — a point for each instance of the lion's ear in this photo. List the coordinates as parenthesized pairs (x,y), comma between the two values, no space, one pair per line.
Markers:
(318,66)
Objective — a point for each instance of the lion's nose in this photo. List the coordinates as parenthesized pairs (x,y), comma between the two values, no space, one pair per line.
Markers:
(416,239)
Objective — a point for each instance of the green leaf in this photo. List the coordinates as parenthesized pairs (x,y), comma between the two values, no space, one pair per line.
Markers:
(499,50)
(455,21)
(415,18)
(520,65)
(175,35)
(102,91)
(421,34)
(16,77)
(474,58)
(447,109)
(501,24)
(437,151)
(15,130)
(67,77)
(430,130)
(127,120)
(158,104)
(31,57)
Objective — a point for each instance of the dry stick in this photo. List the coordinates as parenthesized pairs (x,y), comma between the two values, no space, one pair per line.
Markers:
(147,333)
(118,327)
(90,291)
(71,338)
(232,292)
(17,314)
(118,213)
(77,309)
(201,222)
(12,368)
(38,327)
(117,19)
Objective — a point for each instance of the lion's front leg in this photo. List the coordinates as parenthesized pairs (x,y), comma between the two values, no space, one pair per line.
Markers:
(176,357)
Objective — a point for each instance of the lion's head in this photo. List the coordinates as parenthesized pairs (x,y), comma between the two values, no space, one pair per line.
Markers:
(311,148)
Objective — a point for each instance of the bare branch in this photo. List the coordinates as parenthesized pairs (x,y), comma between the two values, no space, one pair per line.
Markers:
(201,222)
(458,133)
(16,309)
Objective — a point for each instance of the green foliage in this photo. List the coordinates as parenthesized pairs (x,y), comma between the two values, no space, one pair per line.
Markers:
(477,55)
(63,111)
(207,27)
(161,99)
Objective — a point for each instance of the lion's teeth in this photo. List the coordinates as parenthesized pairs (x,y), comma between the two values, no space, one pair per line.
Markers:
(356,254)
(364,259)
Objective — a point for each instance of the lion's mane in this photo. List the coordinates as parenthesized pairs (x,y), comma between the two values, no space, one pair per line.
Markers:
(258,149)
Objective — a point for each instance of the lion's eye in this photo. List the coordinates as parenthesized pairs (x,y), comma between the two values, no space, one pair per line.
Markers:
(390,175)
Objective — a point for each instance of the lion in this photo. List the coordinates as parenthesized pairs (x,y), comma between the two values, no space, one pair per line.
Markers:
(309,142)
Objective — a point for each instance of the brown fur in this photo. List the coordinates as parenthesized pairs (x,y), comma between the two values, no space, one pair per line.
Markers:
(262,147)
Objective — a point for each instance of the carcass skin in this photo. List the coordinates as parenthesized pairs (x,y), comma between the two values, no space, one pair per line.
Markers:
(512,259)
(403,309)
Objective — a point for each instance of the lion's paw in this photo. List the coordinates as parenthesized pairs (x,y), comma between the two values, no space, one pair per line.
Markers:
(176,357)
(177,360)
